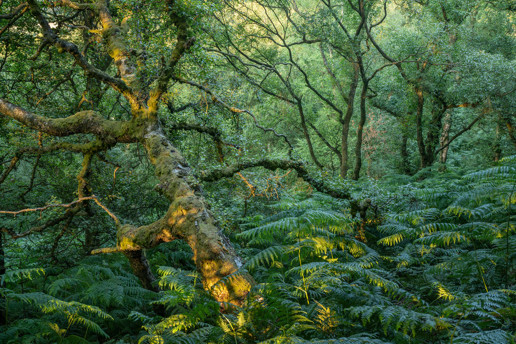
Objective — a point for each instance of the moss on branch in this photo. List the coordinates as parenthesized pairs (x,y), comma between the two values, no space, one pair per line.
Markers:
(274,164)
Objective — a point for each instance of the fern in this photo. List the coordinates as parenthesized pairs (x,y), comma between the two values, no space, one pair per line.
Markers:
(487,337)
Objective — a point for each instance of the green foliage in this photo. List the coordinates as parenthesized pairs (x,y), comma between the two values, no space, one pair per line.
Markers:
(432,260)
(86,300)
(437,269)
(72,314)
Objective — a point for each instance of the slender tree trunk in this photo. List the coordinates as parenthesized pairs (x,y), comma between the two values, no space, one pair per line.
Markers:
(497,147)
(433,135)
(419,126)
(360,131)
(307,134)
(405,164)
(91,240)
(344,164)
(445,138)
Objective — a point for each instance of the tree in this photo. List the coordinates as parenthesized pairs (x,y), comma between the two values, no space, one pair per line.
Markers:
(277,46)
(144,66)
(444,83)
(142,87)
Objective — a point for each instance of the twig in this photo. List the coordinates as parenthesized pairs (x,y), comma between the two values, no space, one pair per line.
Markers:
(67,205)
(236,110)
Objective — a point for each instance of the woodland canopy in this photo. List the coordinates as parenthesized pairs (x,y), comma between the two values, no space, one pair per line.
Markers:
(268,171)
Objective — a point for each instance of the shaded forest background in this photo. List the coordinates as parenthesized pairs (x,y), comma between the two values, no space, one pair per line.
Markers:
(359,155)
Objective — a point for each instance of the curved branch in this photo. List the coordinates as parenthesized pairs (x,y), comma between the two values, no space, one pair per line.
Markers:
(274,164)
(332,75)
(72,49)
(67,205)
(14,12)
(212,131)
(383,17)
(48,206)
(14,16)
(69,213)
(463,131)
(84,122)
(325,141)
(12,165)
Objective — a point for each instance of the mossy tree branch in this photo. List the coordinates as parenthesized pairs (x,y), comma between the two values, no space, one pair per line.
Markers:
(183,43)
(51,37)
(84,122)
(274,164)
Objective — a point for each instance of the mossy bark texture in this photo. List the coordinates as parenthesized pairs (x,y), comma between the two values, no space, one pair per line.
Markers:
(189,219)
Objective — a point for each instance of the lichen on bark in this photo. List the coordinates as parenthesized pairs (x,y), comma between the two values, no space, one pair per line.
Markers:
(188,218)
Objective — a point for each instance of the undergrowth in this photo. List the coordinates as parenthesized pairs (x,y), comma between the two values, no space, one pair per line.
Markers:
(435,264)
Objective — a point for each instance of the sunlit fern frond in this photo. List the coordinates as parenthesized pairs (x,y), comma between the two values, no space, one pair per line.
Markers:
(279,227)
(265,257)
(15,275)
(442,239)
(395,318)
(417,216)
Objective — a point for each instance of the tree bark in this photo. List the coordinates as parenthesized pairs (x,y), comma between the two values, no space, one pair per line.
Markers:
(419,126)
(360,131)
(307,134)
(344,164)
(432,136)
(189,219)
(405,164)
(141,269)
(445,138)
(497,148)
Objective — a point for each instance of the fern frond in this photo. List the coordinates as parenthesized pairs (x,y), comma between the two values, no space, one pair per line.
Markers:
(267,256)
(503,171)
(442,239)
(486,337)
(14,276)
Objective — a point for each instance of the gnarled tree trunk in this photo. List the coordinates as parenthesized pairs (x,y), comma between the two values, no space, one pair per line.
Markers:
(187,218)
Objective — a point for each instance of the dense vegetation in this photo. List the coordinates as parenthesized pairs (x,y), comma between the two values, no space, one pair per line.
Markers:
(273,171)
